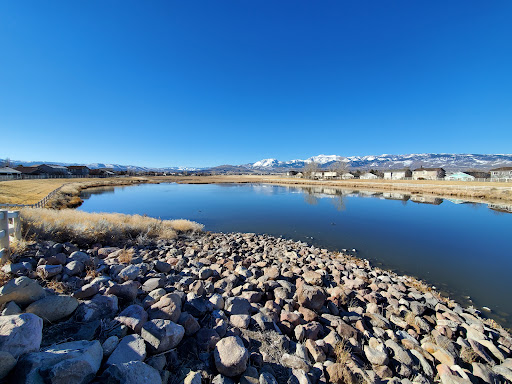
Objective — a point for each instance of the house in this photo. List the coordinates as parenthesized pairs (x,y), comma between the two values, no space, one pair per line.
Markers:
(504,173)
(397,174)
(291,173)
(54,170)
(369,175)
(31,170)
(330,175)
(479,174)
(460,176)
(79,170)
(7,171)
(428,173)
(102,172)
(348,176)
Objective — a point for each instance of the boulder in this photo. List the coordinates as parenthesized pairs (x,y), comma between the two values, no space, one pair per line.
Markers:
(231,356)
(74,268)
(162,335)
(53,308)
(311,297)
(76,362)
(7,363)
(133,372)
(130,348)
(22,291)
(48,271)
(20,334)
(86,291)
(167,308)
(129,273)
(125,291)
(11,308)
(134,317)
(99,307)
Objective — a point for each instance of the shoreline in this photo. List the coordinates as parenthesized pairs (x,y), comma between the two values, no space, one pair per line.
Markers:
(495,193)
(302,311)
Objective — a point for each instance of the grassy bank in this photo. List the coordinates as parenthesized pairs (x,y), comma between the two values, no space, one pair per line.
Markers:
(473,191)
(31,191)
(108,228)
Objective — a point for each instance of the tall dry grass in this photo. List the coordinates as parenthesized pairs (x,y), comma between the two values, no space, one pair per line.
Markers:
(106,228)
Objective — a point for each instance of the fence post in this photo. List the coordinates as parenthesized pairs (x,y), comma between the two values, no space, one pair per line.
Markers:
(4,236)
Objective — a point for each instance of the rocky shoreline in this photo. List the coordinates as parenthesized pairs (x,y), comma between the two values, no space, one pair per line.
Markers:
(224,308)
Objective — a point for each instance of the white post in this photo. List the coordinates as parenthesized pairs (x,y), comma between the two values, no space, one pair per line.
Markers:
(4,236)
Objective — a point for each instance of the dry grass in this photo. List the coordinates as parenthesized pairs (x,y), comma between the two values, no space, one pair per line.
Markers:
(57,286)
(91,273)
(4,278)
(341,373)
(32,191)
(410,319)
(125,256)
(468,355)
(87,228)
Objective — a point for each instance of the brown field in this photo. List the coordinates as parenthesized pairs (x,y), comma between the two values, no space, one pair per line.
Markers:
(31,191)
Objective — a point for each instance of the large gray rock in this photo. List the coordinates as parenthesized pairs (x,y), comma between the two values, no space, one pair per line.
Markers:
(311,297)
(53,308)
(133,372)
(162,335)
(76,362)
(168,308)
(11,308)
(22,291)
(129,273)
(131,348)
(47,271)
(99,307)
(231,356)
(74,268)
(126,291)
(7,363)
(134,317)
(376,352)
(20,334)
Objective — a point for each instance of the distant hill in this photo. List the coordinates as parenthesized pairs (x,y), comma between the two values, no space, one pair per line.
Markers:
(450,162)
(447,161)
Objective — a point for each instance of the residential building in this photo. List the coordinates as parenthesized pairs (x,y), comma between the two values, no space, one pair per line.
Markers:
(428,173)
(79,170)
(501,173)
(7,171)
(460,176)
(397,174)
(369,175)
(348,176)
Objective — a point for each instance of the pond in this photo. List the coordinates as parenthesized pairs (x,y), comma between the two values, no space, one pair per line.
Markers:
(464,249)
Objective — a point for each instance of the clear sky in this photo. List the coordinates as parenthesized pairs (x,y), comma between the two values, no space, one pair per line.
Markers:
(201,83)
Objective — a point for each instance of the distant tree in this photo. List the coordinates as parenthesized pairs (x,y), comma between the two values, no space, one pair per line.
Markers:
(6,162)
(310,168)
(339,166)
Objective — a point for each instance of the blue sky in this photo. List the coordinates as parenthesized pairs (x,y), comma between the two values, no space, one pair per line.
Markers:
(200,83)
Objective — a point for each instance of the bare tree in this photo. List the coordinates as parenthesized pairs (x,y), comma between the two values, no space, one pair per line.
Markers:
(340,167)
(309,169)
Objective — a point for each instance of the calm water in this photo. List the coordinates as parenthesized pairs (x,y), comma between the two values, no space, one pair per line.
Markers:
(465,250)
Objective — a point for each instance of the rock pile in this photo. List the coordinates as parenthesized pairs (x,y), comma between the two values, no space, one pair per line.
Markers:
(227,308)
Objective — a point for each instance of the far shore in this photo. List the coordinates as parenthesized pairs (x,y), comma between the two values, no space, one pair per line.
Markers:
(31,191)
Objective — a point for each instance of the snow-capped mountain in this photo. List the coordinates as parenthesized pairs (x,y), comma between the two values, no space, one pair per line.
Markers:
(385,161)
(115,167)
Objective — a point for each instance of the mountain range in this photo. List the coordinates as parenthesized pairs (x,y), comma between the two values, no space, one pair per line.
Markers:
(450,162)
